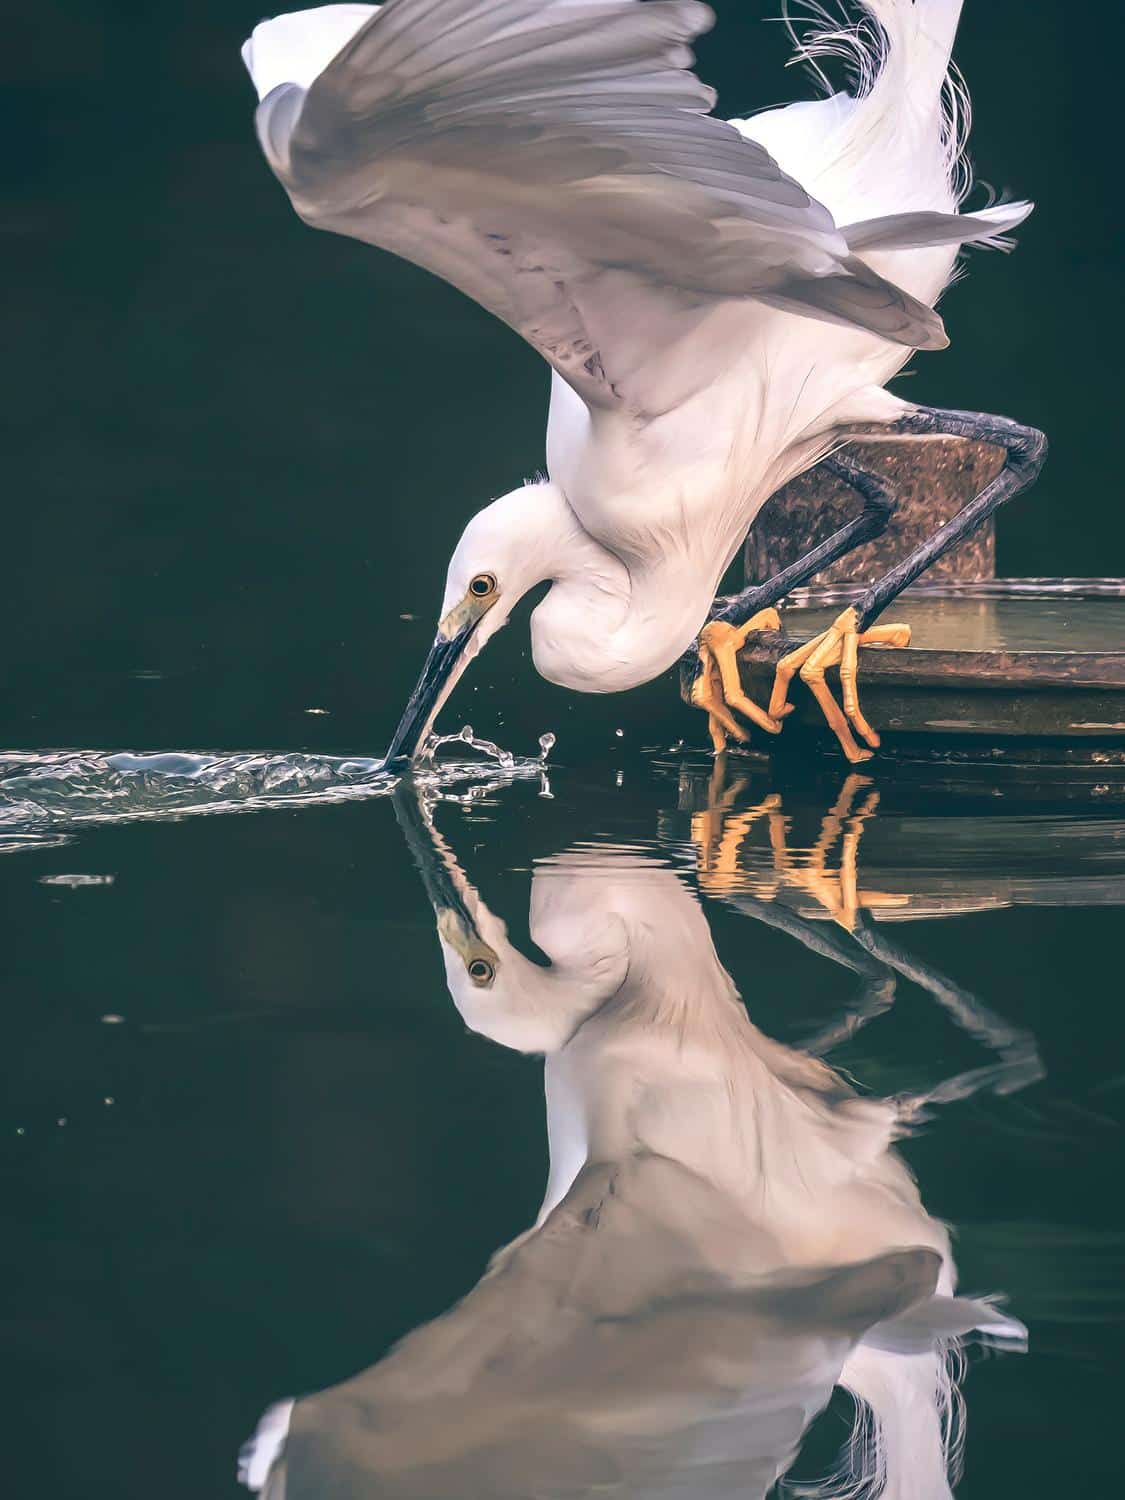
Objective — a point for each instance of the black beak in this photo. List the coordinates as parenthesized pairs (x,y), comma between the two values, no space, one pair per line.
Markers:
(420,839)
(438,677)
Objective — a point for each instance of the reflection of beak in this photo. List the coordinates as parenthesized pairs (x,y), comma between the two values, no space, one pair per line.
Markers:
(449,655)
(450,893)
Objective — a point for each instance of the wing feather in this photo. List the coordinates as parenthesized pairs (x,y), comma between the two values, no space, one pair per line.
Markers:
(540,154)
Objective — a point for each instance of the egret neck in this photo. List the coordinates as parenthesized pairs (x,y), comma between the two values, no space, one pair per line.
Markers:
(603,626)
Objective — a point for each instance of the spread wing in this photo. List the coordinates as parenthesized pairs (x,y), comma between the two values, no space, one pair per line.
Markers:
(556,161)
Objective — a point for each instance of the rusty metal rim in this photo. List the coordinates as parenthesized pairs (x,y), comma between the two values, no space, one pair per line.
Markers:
(1033,671)
(975,588)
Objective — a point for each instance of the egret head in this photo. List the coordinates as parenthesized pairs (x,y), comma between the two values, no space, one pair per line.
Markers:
(506,549)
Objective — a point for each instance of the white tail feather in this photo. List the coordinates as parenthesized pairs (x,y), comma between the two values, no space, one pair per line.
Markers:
(908,1437)
(898,57)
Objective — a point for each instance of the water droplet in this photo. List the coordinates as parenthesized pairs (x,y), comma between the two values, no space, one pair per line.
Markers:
(20,1130)
(506,759)
(61,1120)
(113,1020)
(109,1099)
(316,710)
(620,733)
(546,745)
(620,778)
(467,734)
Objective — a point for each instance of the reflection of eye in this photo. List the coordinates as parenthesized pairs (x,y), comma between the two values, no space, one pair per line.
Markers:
(482,585)
(481,971)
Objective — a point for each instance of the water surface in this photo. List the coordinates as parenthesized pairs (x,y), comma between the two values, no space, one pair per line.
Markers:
(958,623)
(814,1054)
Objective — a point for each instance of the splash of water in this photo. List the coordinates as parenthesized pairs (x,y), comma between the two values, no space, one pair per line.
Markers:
(465,736)
(48,796)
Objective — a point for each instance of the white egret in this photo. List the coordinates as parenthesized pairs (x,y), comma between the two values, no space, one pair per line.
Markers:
(727,1233)
(721,304)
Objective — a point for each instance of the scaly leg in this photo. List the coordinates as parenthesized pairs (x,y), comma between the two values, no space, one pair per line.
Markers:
(1025,449)
(716,685)
(837,646)
(718,688)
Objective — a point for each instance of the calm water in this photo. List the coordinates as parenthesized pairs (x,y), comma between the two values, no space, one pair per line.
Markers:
(250,1140)
(276,1098)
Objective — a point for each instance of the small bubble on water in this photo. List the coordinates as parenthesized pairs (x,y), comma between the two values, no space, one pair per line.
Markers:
(109,1099)
(61,1121)
(620,733)
(546,744)
(113,1020)
(20,1130)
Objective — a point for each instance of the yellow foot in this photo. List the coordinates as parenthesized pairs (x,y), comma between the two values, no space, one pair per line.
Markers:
(718,688)
(838,645)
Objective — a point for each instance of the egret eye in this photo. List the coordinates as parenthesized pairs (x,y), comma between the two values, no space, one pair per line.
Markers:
(481,971)
(482,585)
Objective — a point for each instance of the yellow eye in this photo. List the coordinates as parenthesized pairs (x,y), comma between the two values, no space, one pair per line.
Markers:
(482,585)
(481,971)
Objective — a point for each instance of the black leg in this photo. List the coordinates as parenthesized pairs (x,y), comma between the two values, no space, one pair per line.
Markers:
(700,680)
(1025,450)
(878,507)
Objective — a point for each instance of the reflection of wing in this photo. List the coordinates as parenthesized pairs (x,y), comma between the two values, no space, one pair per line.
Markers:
(554,159)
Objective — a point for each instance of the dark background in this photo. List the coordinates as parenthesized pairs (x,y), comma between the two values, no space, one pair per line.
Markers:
(236,452)
(239,450)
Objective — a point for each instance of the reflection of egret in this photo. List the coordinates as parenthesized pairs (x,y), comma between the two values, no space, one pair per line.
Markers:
(727,1233)
(720,832)
(721,305)
(900,863)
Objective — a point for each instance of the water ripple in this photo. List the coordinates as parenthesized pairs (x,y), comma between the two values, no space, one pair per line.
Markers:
(46,796)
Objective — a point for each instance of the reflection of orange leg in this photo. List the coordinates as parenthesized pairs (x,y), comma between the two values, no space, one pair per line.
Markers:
(718,832)
(718,687)
(837,891)
(719,866)
(838,645)
(707,824)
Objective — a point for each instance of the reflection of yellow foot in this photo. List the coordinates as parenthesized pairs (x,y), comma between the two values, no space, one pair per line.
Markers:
(838,645)
(839,891)
(718,688)
(718,832)
(727,864)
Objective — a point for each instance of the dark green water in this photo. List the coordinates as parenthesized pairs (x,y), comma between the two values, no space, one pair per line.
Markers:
(237,456)
(292,1149)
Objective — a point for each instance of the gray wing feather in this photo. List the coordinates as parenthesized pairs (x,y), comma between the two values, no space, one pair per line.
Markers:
(539,153)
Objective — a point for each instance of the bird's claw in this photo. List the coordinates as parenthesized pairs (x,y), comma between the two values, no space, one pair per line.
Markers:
(837,646)
(718,687)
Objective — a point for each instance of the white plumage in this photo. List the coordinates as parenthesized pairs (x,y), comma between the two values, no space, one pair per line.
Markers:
(727,1233)
(716,300)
